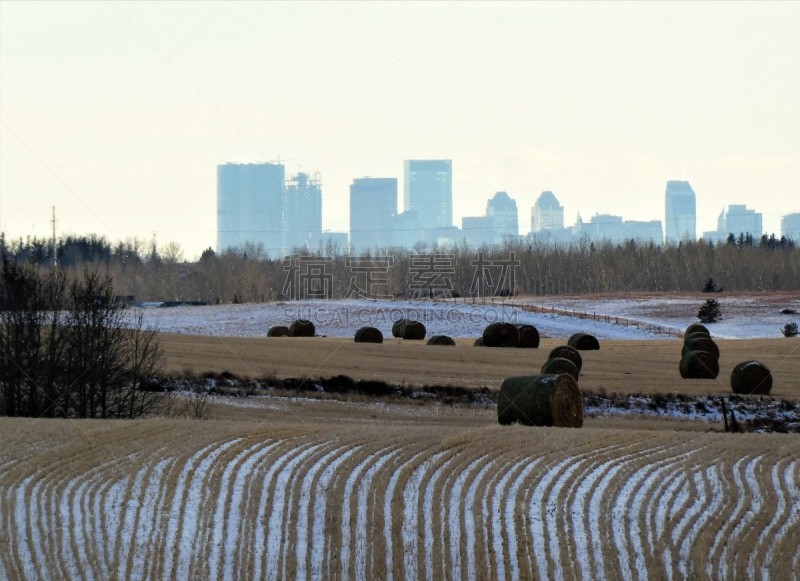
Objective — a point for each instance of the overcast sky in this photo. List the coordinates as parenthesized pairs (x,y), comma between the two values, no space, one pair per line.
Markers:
(117,113)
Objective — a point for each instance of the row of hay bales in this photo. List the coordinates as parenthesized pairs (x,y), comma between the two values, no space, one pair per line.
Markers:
(700,360)
(298,328)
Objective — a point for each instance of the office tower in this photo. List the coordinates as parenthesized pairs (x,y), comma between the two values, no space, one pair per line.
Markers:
(250,206)
(790,226)
(302,207)
(428,189)
(737,219)
(547,213)
(373,205)
(503,212)
(680,219)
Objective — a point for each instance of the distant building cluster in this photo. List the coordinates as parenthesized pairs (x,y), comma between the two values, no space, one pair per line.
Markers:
(257,204)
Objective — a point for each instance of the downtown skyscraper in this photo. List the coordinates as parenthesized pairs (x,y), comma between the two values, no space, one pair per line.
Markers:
(250,206)
(680,213)
(428,190)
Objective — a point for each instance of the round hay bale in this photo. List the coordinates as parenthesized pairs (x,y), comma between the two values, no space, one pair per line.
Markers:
(409,329)
(560,365)
(567,352)
(278,331)
(699,365)
(302,328)
(478,342)
(528,337)
(397,328)
(540,400)
(696,335)
(701,344)
(696,328)
(584,342)
(500,335)
(368,335)
(751,377)
(441,340)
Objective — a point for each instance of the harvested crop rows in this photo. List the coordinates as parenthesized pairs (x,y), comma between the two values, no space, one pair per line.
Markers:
(179,499)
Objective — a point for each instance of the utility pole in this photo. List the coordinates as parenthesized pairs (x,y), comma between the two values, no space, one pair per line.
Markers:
(55,248)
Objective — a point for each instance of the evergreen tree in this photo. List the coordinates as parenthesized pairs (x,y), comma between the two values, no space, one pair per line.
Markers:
(709,311)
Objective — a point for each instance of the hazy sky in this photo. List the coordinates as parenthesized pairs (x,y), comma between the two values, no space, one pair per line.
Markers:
(118,113)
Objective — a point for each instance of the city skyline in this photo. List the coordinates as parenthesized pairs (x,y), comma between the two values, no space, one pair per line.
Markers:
(246,193)
(118,113)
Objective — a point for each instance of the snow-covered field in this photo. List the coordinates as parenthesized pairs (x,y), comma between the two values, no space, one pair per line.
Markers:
(742,316)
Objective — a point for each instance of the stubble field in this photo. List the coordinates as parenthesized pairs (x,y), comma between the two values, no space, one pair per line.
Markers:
(279,487)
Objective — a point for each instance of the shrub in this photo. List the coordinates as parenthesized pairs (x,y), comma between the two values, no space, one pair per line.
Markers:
(789,330)
(709,311)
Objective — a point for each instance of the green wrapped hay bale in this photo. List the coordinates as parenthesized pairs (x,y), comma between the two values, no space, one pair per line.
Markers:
(302,328)
(500,335)
(409,330)
(528,337)
(701,344)
(699,365)
(567,352)
(560,365)
(478,342)
(368,335)
(441,340)
(278,331)
(752,378)
(584,342)
(697,328)
(540,400)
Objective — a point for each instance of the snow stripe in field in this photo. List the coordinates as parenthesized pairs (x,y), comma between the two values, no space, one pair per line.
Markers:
(182,523)
(767,537)
(719,549)
(411,512)
(387,512)
(276,537)
(511,512)
(297,510)
(362,529)
(347,528)
(538,516)
(753,488)
(456,510)
(240,527)
(317,528)
(227,504)
(303,508)
(471,547)
(690,503)
(428,517)
(495,531)
(290,451)
(130,510)
(790,517)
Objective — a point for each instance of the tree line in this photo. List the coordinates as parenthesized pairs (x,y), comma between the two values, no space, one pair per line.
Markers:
(248,274)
